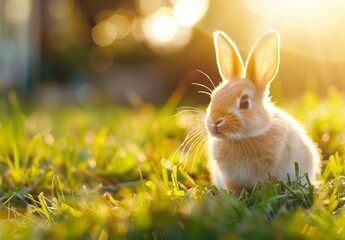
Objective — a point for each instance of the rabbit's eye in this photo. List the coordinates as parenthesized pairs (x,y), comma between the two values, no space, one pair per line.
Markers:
(244,102)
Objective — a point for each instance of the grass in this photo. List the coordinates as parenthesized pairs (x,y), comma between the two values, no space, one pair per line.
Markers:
(112,173)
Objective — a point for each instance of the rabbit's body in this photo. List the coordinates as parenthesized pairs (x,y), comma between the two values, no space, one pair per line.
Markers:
(238,163)
(249,138)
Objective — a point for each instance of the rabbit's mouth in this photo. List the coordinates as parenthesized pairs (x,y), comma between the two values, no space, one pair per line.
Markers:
(223,126)
(215,130)
(221,132)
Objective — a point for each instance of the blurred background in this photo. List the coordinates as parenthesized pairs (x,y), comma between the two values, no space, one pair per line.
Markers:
(57,51)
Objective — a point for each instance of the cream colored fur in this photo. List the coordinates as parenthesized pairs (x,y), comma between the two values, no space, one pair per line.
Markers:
(248,144)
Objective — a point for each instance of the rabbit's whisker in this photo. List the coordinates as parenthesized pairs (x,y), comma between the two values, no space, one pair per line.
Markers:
(207,93)
(191,108)
(208,77)
(192,139)
(199,140)
(202,85)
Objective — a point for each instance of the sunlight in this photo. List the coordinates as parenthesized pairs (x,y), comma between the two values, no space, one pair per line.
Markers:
(292,8)
(304,22)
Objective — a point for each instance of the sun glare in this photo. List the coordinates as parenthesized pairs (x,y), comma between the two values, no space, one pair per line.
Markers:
(312,27)
(287,10)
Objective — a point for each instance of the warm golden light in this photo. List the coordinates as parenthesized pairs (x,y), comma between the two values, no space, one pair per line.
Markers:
(104,33)
(189,12)
(164,28)
(147,7)
(137,30)
(160,28)
(163,33)
(309,11)
(312,28)
(122,23)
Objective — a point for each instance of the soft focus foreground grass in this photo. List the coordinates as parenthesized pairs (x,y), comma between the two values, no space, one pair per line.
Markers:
(112,173)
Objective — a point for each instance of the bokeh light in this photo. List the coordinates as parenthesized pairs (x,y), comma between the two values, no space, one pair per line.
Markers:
(148,7)
(163,33)
(122,23)
(152,27)
(137,30)
(104,33)
(164,28)
(189,12)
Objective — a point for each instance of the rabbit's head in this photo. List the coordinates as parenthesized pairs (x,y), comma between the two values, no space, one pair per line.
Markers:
(240,106)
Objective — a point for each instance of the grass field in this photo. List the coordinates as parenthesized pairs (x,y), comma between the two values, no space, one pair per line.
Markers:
(112,173)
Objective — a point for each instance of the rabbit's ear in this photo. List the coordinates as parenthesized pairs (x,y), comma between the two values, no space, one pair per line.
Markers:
(263,61)
(229,61)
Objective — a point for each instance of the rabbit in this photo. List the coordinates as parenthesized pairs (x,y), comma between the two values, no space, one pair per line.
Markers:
(250,139)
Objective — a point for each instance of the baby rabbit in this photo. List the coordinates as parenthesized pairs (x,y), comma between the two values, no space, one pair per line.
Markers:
(248,136)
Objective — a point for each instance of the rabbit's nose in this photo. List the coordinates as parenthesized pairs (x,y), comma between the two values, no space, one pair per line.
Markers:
(217,118)
(219,122)
(215,125)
